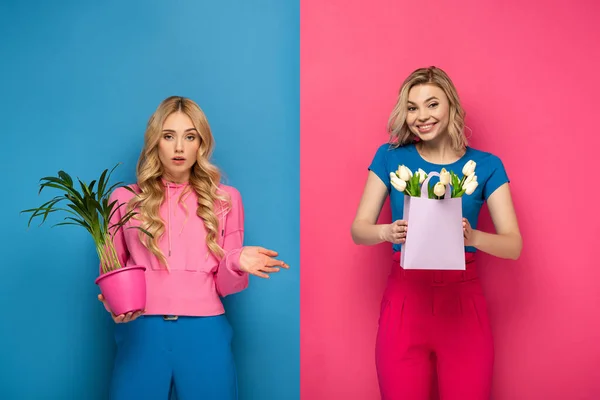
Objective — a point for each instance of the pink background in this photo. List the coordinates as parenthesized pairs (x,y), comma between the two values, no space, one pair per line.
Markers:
(528,75)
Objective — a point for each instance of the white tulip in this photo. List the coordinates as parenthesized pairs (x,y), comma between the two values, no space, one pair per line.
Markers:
(397,183)
(469,168)
(422,175)
(470,178)
(404,173)
(439,189)
(444,177)
(470,188)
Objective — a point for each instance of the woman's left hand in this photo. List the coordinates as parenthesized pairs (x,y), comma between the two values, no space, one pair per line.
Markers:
(469,233)
(259,261)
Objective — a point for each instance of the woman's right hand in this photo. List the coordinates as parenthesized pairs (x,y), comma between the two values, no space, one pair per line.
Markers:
(395,232)
(119,319)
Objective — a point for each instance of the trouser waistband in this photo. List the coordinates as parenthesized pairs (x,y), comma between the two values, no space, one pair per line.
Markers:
(436,277)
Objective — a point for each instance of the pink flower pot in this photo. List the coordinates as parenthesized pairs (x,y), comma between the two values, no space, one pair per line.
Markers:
(124,289)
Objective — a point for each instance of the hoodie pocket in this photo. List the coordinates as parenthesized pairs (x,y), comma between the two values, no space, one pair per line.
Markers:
(206,262)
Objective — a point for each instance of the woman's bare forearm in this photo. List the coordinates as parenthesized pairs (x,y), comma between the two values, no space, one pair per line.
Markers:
(506,246)
(366,233)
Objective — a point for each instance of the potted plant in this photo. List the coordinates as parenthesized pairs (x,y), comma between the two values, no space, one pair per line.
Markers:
(124,288)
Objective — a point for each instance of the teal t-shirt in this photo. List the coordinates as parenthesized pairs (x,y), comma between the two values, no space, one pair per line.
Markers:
(489,170)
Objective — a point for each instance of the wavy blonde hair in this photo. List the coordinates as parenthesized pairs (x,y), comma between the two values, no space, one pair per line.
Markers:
(397,127)
(204,178)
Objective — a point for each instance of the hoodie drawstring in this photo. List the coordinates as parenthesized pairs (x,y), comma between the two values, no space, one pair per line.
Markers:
(169,216)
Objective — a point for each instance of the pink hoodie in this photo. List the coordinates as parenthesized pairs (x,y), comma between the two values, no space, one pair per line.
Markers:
(195,278)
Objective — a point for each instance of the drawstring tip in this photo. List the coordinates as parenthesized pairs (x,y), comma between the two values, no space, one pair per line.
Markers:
(169,253)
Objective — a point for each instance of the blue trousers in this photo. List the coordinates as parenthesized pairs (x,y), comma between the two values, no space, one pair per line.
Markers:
(191,353)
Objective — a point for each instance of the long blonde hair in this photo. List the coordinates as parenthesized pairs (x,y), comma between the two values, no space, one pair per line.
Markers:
(204,178)
(397,127)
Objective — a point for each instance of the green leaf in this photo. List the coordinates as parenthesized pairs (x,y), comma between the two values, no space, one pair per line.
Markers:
(111,206)
(66,178)
(455,184)
(77,222)
(65,223)
(92,183)
(107,192)
(61,185)
(111,171)
(102,184)
(120,224)
(84,188)
(52,185)
(80,222)
(128,188)
(45,214)
(141,229)
(82,213)
(125,218)
(113,187)
(44,209)
(93,206)
(414,184)
(46,204)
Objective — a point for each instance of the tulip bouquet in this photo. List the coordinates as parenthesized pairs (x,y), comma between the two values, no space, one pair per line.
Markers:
(404,181)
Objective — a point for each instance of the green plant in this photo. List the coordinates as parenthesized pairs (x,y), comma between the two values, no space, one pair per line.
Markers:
(89,209)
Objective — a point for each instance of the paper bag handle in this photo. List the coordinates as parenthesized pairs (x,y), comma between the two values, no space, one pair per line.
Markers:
(424,186)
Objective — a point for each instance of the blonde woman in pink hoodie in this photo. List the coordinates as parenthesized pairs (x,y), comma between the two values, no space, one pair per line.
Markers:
(195,257)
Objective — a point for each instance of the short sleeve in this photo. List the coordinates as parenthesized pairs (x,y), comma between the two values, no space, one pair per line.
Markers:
(498,176)
(379,165)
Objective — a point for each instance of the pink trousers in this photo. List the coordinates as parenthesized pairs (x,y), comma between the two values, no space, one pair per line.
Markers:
(434,321)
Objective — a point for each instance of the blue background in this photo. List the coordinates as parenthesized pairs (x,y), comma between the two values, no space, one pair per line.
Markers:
(78,84)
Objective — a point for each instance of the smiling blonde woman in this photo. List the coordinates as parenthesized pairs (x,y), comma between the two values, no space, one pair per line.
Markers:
(435,320)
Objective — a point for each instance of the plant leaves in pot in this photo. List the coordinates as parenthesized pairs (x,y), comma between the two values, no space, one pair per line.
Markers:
(123,287)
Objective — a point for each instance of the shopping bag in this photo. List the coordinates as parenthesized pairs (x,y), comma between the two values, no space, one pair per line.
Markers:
(434,240)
